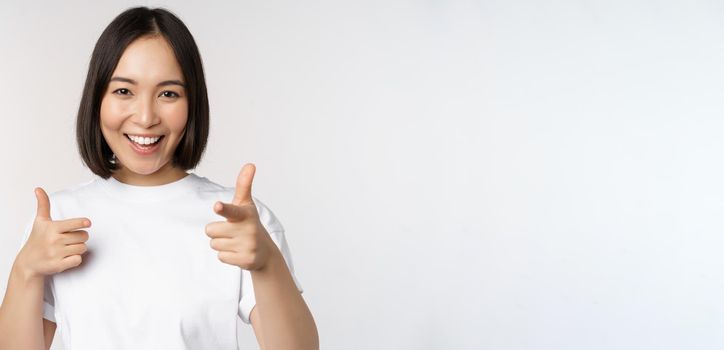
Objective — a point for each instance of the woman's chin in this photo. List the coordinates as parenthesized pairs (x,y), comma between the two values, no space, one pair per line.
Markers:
(140,169)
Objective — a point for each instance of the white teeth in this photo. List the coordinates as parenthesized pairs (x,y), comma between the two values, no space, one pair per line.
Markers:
(144,140)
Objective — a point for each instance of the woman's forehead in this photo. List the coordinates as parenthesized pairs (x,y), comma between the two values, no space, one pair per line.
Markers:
(149,60)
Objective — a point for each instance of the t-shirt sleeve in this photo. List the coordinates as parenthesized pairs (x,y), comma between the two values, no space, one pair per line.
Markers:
(48,298)
(247,299)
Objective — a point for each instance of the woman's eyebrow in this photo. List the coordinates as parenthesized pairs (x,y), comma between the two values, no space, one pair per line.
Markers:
(163,83)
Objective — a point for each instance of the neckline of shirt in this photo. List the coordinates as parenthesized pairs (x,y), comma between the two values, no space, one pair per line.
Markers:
(157,193)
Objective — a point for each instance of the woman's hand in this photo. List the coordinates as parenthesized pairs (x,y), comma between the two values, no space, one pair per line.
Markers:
(52,246)
(241,240)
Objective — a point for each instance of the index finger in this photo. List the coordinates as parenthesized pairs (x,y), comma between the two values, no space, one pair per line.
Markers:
(68,225)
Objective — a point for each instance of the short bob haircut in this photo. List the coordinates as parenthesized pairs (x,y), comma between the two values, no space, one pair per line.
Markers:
(124,29)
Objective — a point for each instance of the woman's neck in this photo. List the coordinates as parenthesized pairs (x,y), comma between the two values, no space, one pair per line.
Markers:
(165,175)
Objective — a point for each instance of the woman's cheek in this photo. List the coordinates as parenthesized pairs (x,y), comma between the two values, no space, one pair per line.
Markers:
(114,108)
(176,114)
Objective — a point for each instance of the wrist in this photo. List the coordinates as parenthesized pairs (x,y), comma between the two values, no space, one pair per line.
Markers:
(23,273)
(274,257)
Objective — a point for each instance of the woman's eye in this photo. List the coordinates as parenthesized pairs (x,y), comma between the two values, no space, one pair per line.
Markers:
(169,94)
(121,91)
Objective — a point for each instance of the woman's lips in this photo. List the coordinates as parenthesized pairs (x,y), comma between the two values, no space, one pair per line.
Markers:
(144,151)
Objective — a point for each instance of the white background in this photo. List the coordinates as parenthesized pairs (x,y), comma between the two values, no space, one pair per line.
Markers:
(451,174)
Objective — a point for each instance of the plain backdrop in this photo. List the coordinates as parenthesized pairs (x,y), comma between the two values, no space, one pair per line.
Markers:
(451,174)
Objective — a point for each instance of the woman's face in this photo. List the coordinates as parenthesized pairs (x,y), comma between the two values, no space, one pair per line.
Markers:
(145,98)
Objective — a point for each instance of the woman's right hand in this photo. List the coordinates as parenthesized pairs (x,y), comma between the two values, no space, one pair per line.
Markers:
(52,246)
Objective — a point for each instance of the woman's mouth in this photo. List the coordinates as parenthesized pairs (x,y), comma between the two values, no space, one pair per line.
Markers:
(144,145)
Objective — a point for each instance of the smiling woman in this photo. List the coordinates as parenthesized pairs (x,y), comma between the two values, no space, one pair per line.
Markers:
(173,260)
(144,112)
(146,79)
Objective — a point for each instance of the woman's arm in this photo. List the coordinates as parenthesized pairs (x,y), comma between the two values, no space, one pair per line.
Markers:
(49,332)
(21,313)
(281,318)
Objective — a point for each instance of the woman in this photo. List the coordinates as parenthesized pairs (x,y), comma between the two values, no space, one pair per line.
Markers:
(146,255)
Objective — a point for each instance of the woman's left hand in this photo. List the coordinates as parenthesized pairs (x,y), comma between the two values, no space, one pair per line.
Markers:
(241,240)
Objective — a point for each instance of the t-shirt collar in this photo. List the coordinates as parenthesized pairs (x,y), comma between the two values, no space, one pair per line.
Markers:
(136,193)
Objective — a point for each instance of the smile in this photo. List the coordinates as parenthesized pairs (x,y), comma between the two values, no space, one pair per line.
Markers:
(144,145)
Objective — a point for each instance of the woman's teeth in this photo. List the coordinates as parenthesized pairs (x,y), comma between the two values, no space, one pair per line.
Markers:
(144,141)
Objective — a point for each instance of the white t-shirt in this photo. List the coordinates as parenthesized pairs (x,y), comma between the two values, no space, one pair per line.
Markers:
(150,279)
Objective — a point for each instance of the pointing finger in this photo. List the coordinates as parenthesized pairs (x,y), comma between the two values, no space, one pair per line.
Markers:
(69,225)
(231,212)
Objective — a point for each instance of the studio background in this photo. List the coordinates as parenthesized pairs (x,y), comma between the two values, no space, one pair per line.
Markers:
(450,174)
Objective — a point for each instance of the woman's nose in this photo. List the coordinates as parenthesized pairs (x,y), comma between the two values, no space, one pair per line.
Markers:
(146,115)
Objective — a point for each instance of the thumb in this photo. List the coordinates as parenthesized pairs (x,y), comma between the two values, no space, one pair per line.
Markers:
(43,210)
(242,195)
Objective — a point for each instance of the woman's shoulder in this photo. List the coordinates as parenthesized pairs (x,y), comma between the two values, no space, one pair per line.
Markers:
(207,185)
(74,190)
